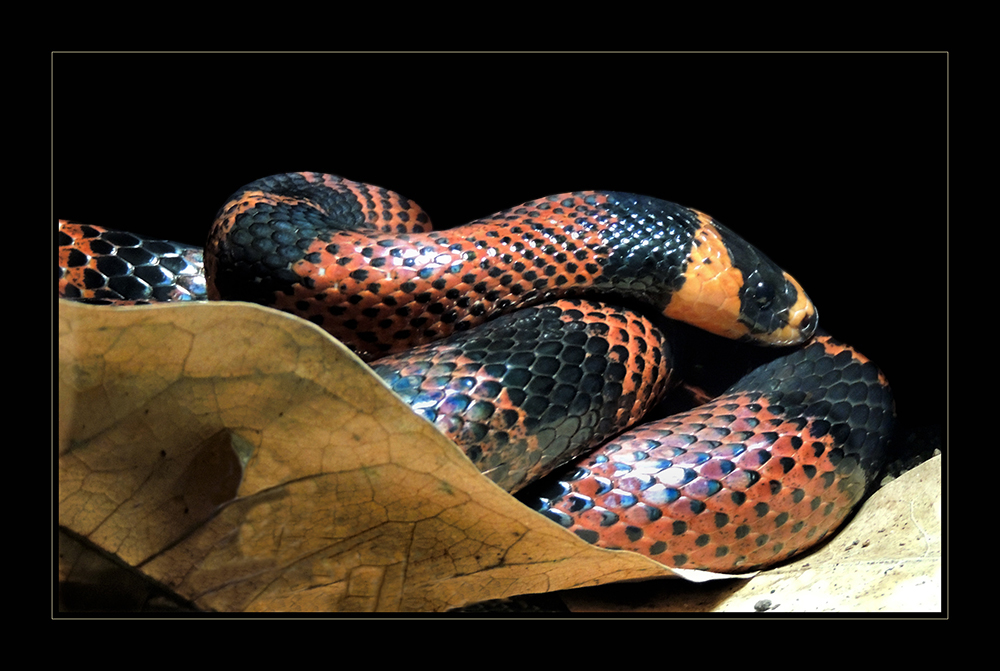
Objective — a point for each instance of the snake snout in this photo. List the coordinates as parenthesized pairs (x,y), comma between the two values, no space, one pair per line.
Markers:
(773,306)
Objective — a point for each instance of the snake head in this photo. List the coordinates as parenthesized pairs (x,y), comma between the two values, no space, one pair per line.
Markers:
(733,290)
(700,272)
(776,311)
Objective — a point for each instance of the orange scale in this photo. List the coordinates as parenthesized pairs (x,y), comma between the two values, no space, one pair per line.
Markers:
(715,433)
(745,556)
(710,415)
(591,486)
(681,511)
(769,552)
(762,493)
(798,478)
(664,451)
(686,458)
(733,533)
(774,469)
(616,500)
(667,531)
(773,472)
(393,324)
(729,449)
(643,545)
(701,556)
(704,489)
(795,427)
(369,300)
(740,480)
(781,526)
(813,533)
(299,297)
(819,521)
(806,458)
(756,405)
(795,504)
(788,544)
(399,254)
(756,454)
(674,440)
(745,423)
(828,517)
(675,476)
(842,500)
(738,512)
(614,536)
(399,299)
(639,515)
(785,445)
(658,496)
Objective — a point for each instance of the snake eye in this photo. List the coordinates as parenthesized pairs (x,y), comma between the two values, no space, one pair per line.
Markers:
(765,295)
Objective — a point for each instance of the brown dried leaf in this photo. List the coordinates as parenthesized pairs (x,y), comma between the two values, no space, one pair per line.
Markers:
(249,462)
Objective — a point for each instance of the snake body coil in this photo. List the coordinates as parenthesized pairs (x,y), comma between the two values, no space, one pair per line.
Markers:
(755,476)
(293,242)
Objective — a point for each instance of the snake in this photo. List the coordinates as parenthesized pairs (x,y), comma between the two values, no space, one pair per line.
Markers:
(539,340)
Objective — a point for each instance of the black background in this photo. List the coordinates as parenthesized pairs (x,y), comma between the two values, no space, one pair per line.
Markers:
(834,164)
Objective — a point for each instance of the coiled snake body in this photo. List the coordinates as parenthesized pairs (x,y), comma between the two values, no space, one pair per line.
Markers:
(507,334)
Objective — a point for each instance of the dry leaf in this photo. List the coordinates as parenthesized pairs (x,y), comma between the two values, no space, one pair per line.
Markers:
(247,461)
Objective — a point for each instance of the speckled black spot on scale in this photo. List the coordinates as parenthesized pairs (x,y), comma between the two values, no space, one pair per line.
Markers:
(72,292)
(77,259)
